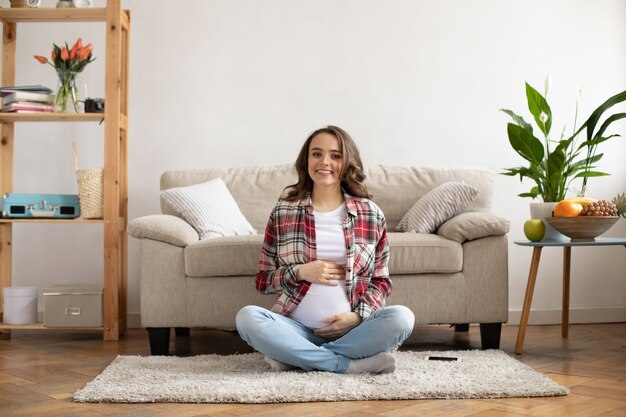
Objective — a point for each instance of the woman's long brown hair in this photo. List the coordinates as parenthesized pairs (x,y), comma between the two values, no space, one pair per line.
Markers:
(351,176)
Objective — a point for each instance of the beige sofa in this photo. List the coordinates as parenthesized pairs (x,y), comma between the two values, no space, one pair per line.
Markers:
(457,276)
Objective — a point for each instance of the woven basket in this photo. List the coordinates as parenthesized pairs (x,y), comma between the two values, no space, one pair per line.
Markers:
(90,190)
(19,3)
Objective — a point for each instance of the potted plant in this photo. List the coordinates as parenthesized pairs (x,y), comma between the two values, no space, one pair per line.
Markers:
(554,164)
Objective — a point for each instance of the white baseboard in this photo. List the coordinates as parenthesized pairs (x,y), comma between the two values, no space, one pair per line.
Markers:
(537,317)
(576,315)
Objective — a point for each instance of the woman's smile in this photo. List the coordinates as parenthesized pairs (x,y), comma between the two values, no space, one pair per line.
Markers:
(324,172)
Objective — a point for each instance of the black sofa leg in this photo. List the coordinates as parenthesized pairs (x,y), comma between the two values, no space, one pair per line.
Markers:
(182,331)
(490,335)
(159,340)
(463,327)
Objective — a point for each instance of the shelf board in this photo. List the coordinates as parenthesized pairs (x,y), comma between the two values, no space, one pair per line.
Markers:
(51,117)
(78,220)
(89,14)
(40,326)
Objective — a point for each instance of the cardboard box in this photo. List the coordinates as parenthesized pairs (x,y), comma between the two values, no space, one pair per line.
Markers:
(72,306)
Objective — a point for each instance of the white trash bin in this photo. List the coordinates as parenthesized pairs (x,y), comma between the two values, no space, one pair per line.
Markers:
(20,305)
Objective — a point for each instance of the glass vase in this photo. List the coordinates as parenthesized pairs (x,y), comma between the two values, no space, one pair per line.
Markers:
(70,93)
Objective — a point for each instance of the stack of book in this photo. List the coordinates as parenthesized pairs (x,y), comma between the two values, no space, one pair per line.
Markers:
(27,99)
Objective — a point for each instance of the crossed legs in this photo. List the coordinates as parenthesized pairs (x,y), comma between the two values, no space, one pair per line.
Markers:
(362,349)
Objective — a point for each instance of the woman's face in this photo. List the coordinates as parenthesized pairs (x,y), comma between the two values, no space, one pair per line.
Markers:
(325,160)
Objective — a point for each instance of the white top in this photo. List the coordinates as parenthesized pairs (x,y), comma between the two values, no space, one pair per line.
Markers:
(322,301)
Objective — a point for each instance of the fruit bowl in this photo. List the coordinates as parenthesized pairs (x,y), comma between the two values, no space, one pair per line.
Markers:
(582,228)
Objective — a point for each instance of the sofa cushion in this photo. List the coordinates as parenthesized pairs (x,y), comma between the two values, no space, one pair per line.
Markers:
(209,208)
(470,226)
(224,256)
(437,206)
(420,253)
(411,253)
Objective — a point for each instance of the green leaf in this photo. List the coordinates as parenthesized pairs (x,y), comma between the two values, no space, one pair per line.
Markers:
(531,194)
(524,143)
(595,142)
(519,120)
(564,144)
(556,162)
(538,104)
(590,123)
(521,171)
(586,162)
(591,174)
(533,172)
(607,122)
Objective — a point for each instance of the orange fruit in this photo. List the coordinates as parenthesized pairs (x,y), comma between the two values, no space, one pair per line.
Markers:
(567,209)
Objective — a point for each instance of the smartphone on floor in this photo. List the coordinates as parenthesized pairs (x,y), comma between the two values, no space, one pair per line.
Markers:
(442,358)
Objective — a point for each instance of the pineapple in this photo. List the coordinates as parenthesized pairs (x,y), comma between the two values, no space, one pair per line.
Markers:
(600,208)
(620,203)
(616,207)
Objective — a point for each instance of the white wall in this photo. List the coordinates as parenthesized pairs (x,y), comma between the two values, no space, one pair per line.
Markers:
(232,83)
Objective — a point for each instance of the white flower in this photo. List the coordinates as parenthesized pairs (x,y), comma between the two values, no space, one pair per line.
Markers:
(543,117)
(579,94)
(563,131)
(548,84)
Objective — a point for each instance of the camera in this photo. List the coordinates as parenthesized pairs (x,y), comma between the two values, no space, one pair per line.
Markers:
(94,105)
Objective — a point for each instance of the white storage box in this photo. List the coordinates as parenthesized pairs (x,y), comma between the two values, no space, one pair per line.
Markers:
(72,306)
(20,305)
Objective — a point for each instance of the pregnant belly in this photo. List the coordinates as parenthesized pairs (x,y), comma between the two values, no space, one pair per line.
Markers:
(321,302)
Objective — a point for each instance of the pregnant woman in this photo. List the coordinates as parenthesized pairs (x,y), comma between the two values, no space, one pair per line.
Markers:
(325,253)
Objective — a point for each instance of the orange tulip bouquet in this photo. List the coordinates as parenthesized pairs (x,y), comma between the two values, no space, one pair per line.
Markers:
(68,63)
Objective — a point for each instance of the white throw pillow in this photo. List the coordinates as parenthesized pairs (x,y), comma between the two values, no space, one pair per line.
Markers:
(437,206)
(209,208)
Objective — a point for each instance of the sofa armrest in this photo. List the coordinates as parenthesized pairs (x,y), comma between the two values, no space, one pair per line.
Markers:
(164,228)
(473,225)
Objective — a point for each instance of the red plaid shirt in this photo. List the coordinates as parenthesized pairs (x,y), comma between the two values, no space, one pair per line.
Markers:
(290,242)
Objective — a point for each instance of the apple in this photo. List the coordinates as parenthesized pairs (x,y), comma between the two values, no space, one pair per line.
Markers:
(534,229)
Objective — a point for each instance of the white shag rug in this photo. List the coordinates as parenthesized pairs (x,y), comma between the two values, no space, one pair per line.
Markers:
(247,379)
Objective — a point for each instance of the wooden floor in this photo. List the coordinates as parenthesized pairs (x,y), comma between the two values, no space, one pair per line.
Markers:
(40,370)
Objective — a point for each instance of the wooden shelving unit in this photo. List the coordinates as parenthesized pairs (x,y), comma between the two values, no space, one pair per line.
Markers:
(115,150)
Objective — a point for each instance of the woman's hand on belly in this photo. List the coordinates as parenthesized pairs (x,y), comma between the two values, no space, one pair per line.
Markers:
(339,324)
(321,272)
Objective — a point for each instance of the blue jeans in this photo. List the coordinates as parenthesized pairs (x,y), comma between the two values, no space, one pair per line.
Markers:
(290,342)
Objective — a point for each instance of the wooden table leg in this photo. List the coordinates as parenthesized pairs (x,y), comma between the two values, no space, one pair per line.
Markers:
(567,255)
(528,299)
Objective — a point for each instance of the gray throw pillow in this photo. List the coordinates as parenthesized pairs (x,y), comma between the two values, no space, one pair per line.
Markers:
(474,225)
(437,206)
